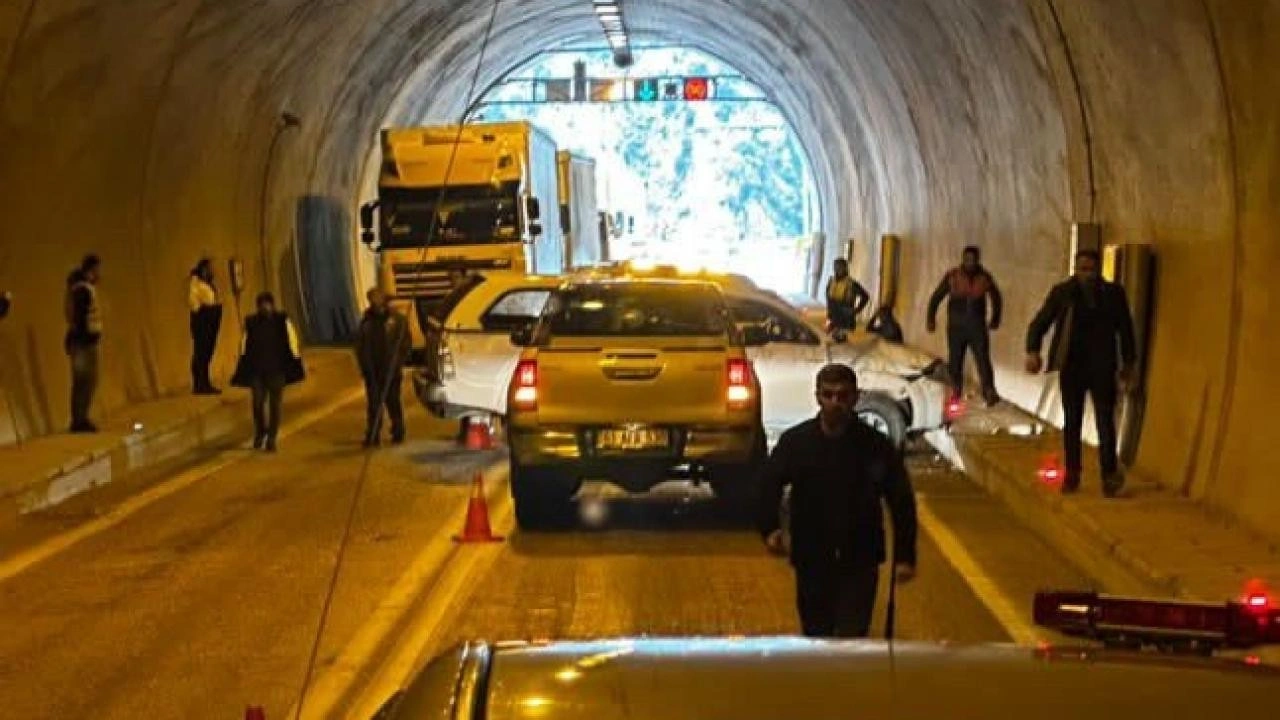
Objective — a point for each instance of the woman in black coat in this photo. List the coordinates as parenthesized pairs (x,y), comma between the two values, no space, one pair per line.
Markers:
(270,359)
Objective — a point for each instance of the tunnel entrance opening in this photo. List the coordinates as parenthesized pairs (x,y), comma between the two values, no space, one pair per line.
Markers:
(695,165)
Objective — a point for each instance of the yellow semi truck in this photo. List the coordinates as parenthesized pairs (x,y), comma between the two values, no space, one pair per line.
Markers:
(454,201)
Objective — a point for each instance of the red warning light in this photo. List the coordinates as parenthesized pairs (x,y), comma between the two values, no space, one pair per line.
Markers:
(1051,471)
(955,409)
(697,88)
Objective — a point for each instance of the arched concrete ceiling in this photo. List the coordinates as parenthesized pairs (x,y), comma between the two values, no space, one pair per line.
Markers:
(149,131)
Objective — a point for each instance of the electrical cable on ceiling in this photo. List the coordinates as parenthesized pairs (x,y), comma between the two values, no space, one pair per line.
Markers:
(386,385)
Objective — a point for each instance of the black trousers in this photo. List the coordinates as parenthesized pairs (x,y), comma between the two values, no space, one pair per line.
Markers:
(374,401)
(1099,384)
(836,602)
(204,339)
(962,337)
(84,381)
(268,392)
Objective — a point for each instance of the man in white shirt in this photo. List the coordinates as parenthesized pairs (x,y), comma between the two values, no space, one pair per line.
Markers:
(206,321)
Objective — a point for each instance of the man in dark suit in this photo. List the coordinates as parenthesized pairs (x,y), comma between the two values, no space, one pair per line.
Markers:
(1093,347)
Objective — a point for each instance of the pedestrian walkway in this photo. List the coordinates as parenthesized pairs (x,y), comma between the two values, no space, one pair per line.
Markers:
(1151,540)
(43,472)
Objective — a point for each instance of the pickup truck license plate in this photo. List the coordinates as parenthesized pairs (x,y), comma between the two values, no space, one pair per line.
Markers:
(632,438)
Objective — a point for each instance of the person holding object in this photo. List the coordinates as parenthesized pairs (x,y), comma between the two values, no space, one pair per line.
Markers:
(1094,347)
(206,321)
(966,289)
(270,359)
(839,470)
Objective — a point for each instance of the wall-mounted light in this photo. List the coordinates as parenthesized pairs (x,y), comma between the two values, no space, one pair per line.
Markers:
(609,13)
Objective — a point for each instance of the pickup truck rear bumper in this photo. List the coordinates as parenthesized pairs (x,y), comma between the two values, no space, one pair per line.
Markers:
(573,450)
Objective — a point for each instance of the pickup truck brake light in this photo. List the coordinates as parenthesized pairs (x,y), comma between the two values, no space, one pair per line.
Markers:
(524,391)
(739,390)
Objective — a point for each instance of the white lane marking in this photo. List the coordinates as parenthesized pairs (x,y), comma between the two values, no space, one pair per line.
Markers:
(1020,630)
(440,609)
(337,681)
(22,561)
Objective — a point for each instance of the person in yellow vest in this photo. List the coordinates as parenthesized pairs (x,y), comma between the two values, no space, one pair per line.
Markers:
(966,289)
(845,299)
(84,332)
(206,320)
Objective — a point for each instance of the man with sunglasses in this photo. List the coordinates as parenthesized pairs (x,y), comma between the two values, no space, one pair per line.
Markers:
(838,469)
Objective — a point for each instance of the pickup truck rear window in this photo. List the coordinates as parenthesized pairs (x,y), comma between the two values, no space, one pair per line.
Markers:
(637,310)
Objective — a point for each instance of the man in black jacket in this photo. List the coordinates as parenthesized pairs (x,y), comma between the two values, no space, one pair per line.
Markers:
(84,333)
(1091,320)
(966,289)
(270,359)
(382,348)
(839,469)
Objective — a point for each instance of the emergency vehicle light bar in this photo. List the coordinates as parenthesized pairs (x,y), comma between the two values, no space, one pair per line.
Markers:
(1109,618)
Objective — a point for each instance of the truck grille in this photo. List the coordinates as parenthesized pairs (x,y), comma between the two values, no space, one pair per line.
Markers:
(431,280)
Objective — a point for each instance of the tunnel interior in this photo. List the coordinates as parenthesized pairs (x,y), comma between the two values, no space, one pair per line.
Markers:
(154,132)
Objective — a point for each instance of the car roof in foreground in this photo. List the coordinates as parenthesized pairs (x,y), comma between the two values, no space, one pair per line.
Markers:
(774,678)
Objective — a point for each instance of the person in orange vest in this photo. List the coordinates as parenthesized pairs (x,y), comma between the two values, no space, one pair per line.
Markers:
(845,298)
(966,289)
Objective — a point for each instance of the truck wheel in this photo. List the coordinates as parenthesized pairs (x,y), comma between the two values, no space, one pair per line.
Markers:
(542,498)
(884,416)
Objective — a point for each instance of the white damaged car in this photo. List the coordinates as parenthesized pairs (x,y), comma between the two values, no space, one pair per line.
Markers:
(467,375)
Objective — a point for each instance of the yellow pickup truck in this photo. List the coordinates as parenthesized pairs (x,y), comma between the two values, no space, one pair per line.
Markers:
(630,381)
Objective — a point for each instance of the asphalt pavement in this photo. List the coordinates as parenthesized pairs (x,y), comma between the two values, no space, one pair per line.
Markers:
(209,599)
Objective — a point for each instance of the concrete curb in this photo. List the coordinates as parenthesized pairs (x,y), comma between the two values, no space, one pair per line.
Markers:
(1067,527)
(201,427)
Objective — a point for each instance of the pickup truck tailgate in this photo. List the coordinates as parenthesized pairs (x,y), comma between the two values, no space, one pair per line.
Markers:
(666,381)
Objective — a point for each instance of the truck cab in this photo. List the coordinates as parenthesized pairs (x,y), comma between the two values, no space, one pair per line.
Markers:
(459,200)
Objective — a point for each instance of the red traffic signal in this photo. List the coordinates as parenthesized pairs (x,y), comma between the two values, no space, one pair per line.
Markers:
(697,88)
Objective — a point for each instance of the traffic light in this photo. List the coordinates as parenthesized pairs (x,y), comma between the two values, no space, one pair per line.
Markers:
(646,90)
(697,88)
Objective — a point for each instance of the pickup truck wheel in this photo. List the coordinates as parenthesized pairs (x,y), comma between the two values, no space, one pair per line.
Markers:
(738,485)
(542,498)
(884,416)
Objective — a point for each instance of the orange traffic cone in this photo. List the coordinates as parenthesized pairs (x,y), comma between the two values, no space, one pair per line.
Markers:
(476,529)
(478,436)
(255,712)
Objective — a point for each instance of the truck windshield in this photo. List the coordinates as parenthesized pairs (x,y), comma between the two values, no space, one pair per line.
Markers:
(637,310)
(467,215)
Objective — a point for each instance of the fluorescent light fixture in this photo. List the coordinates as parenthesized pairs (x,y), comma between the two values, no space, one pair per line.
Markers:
(609,13)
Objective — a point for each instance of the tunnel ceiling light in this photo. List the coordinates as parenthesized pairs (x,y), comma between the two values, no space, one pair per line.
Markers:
(609,13)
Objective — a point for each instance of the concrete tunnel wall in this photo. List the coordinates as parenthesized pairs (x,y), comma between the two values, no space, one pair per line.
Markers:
(149,131)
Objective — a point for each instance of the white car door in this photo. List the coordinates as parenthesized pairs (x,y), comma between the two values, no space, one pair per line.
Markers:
(483,357)
(786,366)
